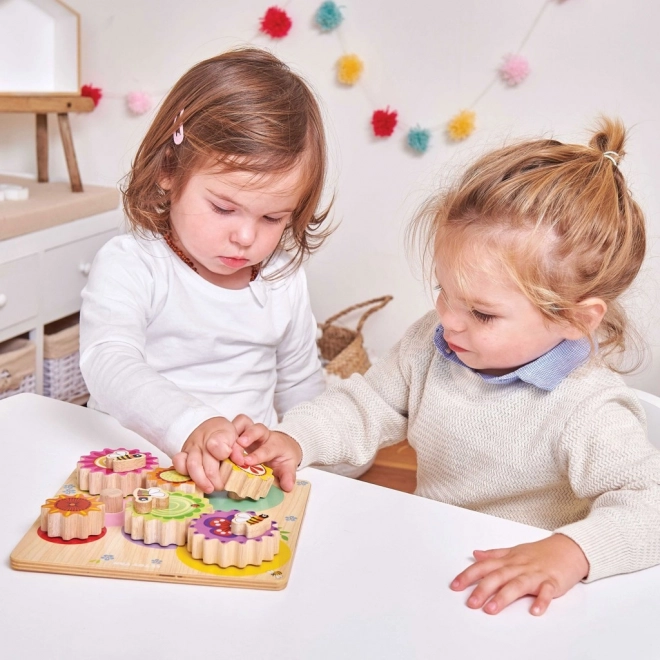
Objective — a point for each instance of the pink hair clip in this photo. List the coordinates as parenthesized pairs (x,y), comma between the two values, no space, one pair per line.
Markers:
(177,136)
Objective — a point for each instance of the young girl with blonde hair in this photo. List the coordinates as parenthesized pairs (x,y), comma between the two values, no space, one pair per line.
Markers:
(508,391)
(202,311)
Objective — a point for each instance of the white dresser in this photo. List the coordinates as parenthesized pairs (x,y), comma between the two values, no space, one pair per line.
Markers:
(43,271)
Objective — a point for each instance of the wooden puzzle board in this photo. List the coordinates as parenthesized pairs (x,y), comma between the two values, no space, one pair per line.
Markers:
(114,554)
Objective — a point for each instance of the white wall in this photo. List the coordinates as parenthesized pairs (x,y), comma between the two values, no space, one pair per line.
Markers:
(426,59)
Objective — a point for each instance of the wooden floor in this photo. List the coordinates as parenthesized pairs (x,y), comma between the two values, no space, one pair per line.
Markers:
(395,467)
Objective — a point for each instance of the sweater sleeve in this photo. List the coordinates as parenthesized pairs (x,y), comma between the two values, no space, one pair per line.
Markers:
(299,374)
(609,460)
(351,420)
(116,307)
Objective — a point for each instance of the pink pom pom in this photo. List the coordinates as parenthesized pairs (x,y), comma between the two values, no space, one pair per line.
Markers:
(138,102)
(514,69)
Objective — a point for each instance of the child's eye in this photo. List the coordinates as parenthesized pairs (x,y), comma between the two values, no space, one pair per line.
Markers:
(267,218)
(220,210)
(481,317)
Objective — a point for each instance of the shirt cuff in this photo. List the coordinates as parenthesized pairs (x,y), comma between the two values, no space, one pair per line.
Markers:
(311,442)
(602,544)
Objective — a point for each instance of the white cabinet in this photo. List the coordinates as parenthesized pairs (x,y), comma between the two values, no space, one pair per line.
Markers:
(19,290)
(65,271)
(42,274)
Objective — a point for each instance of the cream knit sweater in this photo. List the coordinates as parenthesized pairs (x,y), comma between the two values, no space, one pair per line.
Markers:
(575,460)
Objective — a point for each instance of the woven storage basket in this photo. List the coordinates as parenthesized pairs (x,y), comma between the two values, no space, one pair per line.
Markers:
(62,377)
(342,349)
(18,364)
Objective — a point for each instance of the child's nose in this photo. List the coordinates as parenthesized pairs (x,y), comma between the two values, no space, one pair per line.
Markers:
(450,319)
(244,233)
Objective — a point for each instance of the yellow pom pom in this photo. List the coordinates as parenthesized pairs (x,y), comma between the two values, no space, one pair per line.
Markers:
(461,125)
(349,69)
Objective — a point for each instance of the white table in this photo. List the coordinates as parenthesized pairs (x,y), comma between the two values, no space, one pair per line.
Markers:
(338,603)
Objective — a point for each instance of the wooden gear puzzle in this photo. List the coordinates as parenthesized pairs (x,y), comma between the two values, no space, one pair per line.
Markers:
(120,515)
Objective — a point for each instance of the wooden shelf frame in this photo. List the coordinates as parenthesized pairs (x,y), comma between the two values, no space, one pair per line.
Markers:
(42,105)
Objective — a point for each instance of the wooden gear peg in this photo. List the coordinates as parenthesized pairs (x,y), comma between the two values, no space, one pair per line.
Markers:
(122,461)
(250,525)
(113,499)
(146,499)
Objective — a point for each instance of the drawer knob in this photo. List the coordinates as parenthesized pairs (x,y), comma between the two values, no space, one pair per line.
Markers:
(85,268)
(3,300)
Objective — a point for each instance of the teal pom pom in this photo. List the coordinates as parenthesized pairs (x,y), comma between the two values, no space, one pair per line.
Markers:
(418,139)
(328,16)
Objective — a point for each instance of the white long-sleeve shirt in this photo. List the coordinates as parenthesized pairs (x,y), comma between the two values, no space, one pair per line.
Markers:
(163,350)
(574,459)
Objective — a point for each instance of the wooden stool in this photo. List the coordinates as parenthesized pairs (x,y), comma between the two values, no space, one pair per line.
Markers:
(41,105)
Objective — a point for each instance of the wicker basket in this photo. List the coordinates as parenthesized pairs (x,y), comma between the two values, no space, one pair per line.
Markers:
(342,349)
(18,364)
(62,377)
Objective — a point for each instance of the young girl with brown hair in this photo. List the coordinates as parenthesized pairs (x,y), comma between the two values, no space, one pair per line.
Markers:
(508,391)
(202,312)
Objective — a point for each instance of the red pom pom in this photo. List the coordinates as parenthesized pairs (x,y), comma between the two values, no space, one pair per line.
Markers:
(94,93)
(276,23)
(384,122)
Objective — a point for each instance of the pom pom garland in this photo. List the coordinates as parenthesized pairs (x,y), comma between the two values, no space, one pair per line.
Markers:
(461,125)
(275,23)
(328,16)
(514,69)
(349,69)
(384,122)
(94,93)
(138,102)
(418,139)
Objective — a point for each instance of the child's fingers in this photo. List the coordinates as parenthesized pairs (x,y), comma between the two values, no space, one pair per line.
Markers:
(256,433)
(219,445)
(515,588)
(212,470)
(241,423)
(474,573)
(543,599)
(287,476)
(262,454)
(237,455)
(179,462)
(196,470)
(495,584)
(498,553)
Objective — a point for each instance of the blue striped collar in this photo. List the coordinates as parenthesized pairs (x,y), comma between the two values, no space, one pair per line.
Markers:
(546,372)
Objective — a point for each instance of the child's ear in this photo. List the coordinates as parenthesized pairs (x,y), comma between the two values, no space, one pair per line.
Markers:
(165,182)
(590,312)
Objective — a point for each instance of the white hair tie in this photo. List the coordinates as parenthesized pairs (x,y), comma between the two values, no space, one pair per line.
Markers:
(612,155)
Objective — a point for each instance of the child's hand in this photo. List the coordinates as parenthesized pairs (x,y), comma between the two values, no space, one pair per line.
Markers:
(278,450)
(546,569)
(209,444)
